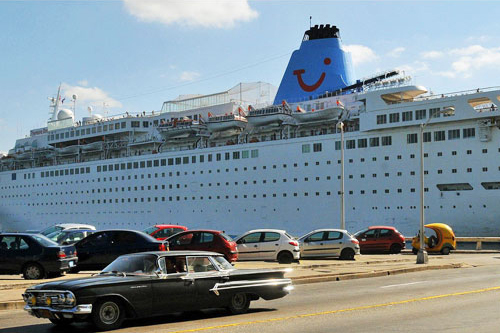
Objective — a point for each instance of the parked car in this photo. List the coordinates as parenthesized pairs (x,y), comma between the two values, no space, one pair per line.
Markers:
(154,283)
(66,226)
(204,240)
(68,237)
(380,239)
(329,243)
(442,240)
(34,255)
(163,231)
(267,244)
(102,247)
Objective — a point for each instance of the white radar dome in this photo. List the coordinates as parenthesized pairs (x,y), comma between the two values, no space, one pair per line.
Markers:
(64,114)
(96,116)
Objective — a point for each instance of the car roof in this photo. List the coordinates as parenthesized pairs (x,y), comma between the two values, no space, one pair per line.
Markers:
(178,253)
(170,226)
(203,230)
(75,225)
(381,227)
(265,230)
(17,234)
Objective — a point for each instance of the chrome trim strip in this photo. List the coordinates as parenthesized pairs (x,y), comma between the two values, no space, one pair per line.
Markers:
(79,309)
(249,284)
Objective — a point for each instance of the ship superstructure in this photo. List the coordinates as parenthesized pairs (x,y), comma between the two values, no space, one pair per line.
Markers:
(235,161)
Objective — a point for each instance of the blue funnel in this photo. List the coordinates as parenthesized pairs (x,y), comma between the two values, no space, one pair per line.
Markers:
(319,65)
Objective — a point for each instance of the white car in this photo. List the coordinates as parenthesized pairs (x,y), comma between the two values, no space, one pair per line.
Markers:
(267,244)
(66,226)
(329,243)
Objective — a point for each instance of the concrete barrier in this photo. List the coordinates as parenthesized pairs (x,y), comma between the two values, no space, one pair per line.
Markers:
(478,240)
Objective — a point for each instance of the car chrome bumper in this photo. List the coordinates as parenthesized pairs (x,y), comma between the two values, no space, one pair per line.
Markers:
(81,309)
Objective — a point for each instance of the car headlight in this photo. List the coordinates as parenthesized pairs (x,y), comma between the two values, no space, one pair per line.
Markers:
(70,299)
(48,300)
(61,298)
(33,300)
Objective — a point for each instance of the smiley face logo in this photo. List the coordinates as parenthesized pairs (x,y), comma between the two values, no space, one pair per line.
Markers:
(306,87)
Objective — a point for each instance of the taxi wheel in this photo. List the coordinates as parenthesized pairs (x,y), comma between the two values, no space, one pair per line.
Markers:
(445,251)
(108,314)
(33,271)
(239,303)
(395,248)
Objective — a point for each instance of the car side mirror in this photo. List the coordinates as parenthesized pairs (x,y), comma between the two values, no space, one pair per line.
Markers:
(306,240)
(240,241)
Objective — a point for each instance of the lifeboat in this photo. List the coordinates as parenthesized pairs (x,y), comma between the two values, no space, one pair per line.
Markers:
(270,115)
(68,150)
(220,123)
(303,116)
(180,129)
(92,146)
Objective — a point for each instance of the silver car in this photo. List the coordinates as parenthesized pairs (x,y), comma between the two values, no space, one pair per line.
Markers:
(329,243)
(267,244)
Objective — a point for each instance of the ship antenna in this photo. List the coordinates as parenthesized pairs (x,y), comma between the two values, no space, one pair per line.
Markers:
(55,104)
(310,24)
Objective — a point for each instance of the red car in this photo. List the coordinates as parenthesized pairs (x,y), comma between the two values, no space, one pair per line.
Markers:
(380,239)
(204,240)
(163,231)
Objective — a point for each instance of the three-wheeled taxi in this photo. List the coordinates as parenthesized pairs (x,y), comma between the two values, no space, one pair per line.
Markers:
(442,241)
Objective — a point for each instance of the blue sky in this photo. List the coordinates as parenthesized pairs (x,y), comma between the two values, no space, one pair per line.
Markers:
(135,54)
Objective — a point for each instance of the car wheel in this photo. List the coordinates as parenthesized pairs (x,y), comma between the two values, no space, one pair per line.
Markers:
(414,251)
(33,271)
(61,321)
(239,303)
(395,248)
(347,254)
(285,257)
(74,270)
(108,314)
(445,251)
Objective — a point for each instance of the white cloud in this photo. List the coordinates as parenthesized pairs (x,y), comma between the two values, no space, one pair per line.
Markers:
(360,53)
(467,51)
(475,57)
(414,67)
(432,54)
(89,96)
(83,83)
(189,76)
(395,53)
(212,14)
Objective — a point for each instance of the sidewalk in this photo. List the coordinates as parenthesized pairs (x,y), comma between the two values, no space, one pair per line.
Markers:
(307,271)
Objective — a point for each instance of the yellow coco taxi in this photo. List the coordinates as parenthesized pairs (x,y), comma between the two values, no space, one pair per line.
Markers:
(443,241)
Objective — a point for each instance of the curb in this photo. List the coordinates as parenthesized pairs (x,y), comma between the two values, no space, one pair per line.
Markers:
(12,305)
(351,276)
(18,305)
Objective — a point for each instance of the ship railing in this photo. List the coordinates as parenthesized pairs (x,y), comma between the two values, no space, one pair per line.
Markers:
(456,93)
(478,240)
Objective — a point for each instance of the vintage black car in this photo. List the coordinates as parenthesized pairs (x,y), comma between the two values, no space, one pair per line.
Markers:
(154,283)
(34,255)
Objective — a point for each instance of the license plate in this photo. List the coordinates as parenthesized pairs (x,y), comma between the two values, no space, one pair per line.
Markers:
(45,313)
(71,263)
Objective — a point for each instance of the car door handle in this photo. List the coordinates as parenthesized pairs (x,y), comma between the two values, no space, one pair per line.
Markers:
(225,278)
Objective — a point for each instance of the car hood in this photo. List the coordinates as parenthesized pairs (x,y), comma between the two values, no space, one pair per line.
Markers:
(75,284)
(257,273)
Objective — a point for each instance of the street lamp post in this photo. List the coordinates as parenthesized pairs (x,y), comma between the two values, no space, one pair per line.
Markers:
(342,202)
(422,257)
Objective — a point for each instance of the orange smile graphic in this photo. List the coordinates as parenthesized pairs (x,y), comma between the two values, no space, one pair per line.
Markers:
(315,86)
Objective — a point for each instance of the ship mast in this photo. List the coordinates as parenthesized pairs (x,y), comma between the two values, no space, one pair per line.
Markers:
(55,104)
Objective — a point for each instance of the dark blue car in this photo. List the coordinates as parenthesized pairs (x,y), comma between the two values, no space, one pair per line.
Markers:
(34,255)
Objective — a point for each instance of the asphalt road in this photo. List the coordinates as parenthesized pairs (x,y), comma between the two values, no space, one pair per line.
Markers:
(457,300)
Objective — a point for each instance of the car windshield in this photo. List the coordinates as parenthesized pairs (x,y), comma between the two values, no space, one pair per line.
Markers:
(133,264)
(52,229)
(223,263)
(150,230)
(44,240)
(360,232)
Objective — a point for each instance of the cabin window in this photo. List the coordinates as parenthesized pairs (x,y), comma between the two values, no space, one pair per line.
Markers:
(306,148)
(434,113)
(350,144)
(317,147)
(408,116)
(439,136)
(455,187)
(381,119)
(362,143)
(374,142)
(420,114)
(453,134)
(469,133)
(386,140)
(491,185)
(338,145)
(135,124)
(394,117)
(254,153)
(411,138)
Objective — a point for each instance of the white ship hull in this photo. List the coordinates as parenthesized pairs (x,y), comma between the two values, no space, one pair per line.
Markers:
(281,188)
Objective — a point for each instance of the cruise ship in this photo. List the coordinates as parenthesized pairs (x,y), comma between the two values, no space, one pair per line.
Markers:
(255,156)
